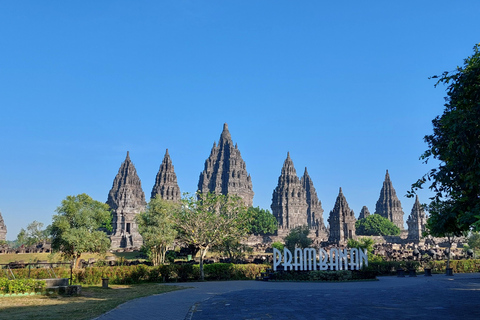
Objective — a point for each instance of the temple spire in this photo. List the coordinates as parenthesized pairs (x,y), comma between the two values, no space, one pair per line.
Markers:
(341,220)
(166,185)
(225,171)
(388,204)
(126,199)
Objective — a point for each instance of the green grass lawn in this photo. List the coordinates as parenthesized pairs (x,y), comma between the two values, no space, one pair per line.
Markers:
(93,302)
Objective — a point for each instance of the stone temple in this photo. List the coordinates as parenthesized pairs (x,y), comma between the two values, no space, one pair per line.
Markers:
(388,205)
(166,186)
(364,213)
(3,229)
(295,202)
(416,222)
(225,171)
(126,199)
(342,221)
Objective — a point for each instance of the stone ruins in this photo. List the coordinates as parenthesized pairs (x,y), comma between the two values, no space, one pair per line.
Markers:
(225,171)
(342,221)
(126,199)
(166,185)
(388,205)
(295,202)
(3,229)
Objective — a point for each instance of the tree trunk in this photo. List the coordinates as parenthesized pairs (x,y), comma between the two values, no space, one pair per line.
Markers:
(77,260)
(203,253)
(449,251)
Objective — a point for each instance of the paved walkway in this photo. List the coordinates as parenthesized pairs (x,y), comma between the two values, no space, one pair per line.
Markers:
(437,297)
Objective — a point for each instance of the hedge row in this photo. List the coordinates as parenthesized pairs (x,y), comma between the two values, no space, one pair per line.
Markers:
(21,285)
(458,266)
(144,273)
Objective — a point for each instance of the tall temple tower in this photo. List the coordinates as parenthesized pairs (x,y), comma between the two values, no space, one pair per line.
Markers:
(166,185)
(295,202)
(314,205)
(126,199)
(289,199)
(388,205)
(416,222)
(341,220)
(3,229)
(225,171)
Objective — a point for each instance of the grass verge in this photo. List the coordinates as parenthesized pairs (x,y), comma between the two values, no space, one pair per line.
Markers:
(93,302)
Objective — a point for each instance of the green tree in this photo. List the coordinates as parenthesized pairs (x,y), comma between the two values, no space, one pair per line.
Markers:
(298,238)
(33,235)
(209,219)
(376,225)
(157,227)
(455,143)
(473,241)
(75,227)
(263,222)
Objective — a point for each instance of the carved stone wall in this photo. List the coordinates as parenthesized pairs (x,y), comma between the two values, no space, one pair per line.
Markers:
(166,185)
(341,220)
(225,171)
(126,199)
(388,205)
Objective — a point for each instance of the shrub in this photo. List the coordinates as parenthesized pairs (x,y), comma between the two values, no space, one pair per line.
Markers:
(21,285)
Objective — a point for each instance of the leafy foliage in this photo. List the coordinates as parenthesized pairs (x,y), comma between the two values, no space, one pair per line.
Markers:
(278,245)
(33,235)
(263,222)
(455,143)
(21,285)
(210,219)
(74,229)
(298,238)
(157,227)
(376,225)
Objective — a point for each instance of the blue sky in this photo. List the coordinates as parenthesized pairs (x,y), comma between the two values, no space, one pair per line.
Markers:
(343,86)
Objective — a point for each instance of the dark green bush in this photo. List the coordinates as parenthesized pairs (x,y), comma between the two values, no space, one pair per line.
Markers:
(143,273)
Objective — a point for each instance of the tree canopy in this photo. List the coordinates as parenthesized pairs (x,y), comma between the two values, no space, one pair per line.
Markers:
(262,222)
(33,235)
(455,143)
(157,227)
(298,238)
(376,225)
(209,219)
(75,229)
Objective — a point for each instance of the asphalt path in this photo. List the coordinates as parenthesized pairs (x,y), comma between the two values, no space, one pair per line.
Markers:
(436,297)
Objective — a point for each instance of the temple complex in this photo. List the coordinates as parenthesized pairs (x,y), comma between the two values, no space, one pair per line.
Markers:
(341,220)
(416,222)
(364,213)
(388,205)
(166,186)
(225,171)
(3,229)
(126,199)
(295,202)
